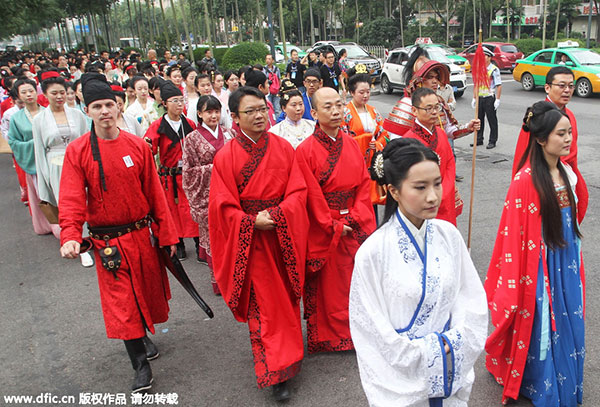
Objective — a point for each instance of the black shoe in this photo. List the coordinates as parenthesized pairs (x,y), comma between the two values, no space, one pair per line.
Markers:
(459,178)
(201,260)
(143,373)
(181,254)
(151,349)
(490,146)
(281,392)
(479,143)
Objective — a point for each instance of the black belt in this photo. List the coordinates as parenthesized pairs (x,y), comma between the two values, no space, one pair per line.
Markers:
(111,232)
(172,172)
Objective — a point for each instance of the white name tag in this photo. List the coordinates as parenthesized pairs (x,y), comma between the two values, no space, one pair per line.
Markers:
(128,161)
(344,211)
(180,163)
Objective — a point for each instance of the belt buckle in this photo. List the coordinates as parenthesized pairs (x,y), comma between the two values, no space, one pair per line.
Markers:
(138,224)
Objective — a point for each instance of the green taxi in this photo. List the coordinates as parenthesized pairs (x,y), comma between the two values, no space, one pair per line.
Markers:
(584,63)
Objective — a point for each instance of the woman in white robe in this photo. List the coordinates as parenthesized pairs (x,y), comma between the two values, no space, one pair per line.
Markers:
(53,129)
(418,311)
(124,121)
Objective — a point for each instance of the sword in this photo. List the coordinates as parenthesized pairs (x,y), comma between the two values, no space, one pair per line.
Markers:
(175,267)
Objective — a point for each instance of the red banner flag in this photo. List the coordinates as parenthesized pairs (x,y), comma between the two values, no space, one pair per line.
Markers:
(479,69)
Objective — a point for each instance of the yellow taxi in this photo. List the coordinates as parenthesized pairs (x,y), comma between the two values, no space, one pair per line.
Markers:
(584,63)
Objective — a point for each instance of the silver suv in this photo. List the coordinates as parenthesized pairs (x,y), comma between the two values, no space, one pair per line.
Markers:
(356,55)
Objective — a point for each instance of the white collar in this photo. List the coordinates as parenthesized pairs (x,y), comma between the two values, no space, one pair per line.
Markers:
(214,133)
(249,138)
(418,234)
(421,124)
(293,123)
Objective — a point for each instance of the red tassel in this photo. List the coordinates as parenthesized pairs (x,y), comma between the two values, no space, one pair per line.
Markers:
(479,69)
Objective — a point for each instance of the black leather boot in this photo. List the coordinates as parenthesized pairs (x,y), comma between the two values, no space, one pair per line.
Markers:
(281,391)
(151,349)
(143,373)
(181,254)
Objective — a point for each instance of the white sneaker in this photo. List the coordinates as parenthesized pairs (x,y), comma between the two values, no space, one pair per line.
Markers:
(86,260)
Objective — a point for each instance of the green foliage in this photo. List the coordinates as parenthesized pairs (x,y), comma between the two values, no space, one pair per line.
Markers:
(218,54)
(244,53)
(529,45)
(494,39)
(455,44)
(380,31)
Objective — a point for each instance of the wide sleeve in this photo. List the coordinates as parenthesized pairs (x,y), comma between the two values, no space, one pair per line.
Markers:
(292,224)
(197,167)
(72,202)
(41,161)
(324,233)
(231,231)
(361,217)
(164,226)
(398,365)
(469,318)
(152,134)
(22,149)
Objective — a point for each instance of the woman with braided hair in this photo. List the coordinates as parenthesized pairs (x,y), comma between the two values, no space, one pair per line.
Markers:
(417,306)
(535,283)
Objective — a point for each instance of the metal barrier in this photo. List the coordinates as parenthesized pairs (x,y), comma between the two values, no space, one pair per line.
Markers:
(377,50)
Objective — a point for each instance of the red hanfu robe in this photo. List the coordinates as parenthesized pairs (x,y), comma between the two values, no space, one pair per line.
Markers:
(510,283)
(438,142)
(168,144)
(139,296)
(571,159)
(338,195)
(261,273)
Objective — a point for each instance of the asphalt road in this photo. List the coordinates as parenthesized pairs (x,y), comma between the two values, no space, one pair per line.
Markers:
(53,337)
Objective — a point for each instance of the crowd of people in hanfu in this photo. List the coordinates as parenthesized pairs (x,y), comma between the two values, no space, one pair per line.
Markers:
(304,203)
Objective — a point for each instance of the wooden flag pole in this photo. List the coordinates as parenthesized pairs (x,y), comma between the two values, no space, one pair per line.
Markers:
(473,163)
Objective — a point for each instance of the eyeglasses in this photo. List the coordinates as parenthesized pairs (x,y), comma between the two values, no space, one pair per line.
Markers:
(312,81)
(430,109)
(176,101)
(253,112)
(562,86)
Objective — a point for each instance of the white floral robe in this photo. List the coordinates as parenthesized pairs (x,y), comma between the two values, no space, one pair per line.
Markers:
(399,315)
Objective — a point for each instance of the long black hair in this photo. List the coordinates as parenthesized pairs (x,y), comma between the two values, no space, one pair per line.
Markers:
(540,120)
(399,155)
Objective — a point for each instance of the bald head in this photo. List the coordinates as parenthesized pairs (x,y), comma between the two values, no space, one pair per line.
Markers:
(324,94)
(328,109)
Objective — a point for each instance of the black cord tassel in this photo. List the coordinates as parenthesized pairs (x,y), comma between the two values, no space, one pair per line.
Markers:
(96,156)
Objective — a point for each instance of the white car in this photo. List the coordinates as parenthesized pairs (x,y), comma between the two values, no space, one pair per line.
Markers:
(393,68)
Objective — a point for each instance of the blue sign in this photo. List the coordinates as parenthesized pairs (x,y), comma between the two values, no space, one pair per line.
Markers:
(86,28)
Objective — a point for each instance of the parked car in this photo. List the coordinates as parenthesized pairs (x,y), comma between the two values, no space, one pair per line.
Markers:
(450,53)
(393,68)
(584,63)
(356,55)
(505,54)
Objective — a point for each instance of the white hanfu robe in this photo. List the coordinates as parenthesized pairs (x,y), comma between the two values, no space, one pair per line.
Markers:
(49,147)
(400,315)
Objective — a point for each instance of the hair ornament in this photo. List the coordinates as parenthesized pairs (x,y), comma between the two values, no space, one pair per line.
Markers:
(529,116)
(378,166)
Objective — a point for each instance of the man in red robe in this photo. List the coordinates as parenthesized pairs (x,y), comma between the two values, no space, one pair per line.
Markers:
(109,180)
(426,108)
(168,137)
(258,230)
(559,90)
(341,218)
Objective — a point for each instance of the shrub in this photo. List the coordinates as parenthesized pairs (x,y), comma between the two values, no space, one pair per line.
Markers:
(457,45)
(380,31)
(529,45)
(127,50)
(244,53)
